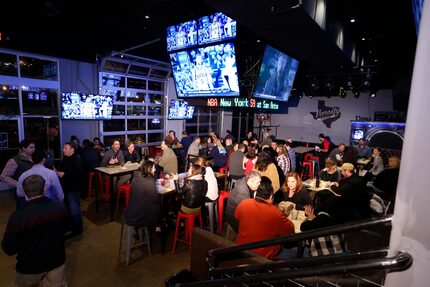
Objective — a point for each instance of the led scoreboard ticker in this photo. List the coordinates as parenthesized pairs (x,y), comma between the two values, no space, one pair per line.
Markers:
(242,103)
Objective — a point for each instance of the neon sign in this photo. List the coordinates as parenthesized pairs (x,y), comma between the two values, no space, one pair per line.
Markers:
(242,103)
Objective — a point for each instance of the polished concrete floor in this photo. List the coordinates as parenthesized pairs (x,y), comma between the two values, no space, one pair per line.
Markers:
(92,260)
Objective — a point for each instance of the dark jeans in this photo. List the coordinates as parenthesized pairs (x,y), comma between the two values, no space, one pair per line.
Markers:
(73,204)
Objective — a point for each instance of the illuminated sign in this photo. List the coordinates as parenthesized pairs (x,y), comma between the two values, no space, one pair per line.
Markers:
(242,103)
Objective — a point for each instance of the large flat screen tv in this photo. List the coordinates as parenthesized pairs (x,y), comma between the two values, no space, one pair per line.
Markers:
(80,106)
(216,27)
(180,110)
(182,36)
(206,72)
(276,76)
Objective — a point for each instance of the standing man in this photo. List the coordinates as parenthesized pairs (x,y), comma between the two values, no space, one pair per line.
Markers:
(36,234)
(18,164)
(168,160)
(72,175)
(53,188)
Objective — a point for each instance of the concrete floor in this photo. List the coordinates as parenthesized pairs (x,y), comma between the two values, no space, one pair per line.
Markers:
(92,260)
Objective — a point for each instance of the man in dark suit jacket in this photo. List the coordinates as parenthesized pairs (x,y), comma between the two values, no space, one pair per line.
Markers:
(355,199)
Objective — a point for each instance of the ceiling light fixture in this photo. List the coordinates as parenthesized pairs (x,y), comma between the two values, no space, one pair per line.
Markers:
(352,20)
(363,39)
(373,94)
(146,16)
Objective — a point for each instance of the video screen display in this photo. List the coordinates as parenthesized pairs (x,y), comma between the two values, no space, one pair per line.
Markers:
(276,76)
(79,106)
(180,110)
(206,72)
(216,27)
(181,36)
(357,134)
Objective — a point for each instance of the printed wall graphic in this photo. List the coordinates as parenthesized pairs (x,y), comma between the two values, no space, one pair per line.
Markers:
(326,114)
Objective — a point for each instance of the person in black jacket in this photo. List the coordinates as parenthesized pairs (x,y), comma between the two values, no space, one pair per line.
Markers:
(293,190)
(143,207)
(355,199)
(36,234)
(131,155)
(194,190)
(71,175)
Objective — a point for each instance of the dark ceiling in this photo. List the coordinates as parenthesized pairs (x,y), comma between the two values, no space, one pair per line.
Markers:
(83,29)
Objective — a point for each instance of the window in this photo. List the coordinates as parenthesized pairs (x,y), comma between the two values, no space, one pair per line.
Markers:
(8,65)
(9,100)
(38,101)
(204,121)
(38,69)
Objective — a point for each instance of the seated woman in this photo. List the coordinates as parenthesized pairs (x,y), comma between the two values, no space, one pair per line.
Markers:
(219,155)
(143,207)
(378,161)
(323,216)
(194,190)
(331,173)
(131,155)
(210,178)
(265,167)
(250,159)
(294,191)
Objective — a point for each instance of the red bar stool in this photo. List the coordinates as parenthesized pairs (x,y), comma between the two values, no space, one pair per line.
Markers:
(306,166)
(221,200)
(189,226)
(91,175)
(126,189)
(223,170)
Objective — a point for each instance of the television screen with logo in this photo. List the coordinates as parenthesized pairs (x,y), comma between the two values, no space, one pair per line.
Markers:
(206,72)
(180,110)
(80,106)
(182,36)
(216,27)
(276,76)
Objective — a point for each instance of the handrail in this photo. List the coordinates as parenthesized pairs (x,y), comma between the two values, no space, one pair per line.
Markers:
(400,262)
(336,229)
(301,262)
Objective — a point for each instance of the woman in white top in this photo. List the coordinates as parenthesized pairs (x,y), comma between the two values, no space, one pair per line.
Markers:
(378,162)
(210,178)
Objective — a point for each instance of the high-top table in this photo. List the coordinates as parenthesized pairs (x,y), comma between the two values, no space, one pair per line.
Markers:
(112,172)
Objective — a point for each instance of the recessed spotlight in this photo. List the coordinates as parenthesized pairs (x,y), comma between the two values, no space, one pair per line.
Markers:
(370,52)
(373,94)
(363,39)
(352,20)
(146,16)
(376,60)
(258,41)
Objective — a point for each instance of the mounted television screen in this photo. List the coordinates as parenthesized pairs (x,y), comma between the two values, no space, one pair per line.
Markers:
(206,72)
(276,76)
(180,110)
(79,106)
(181,36)
(216,27)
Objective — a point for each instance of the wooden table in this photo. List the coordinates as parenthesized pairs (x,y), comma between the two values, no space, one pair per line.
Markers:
(302,149)
(112,172)
(324,185)
(165,195)
(222,177)
(299,216)
(361,161)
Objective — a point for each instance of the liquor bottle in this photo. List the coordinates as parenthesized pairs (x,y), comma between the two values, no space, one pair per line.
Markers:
(317,182)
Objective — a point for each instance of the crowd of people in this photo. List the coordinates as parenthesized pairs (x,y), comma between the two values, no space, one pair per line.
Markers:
(263,174)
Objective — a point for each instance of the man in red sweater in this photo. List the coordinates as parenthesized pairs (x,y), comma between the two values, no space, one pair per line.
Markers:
(259,219)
